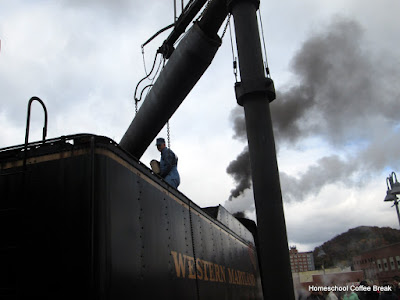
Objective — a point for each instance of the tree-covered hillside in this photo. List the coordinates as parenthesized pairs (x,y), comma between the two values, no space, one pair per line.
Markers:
(340,250)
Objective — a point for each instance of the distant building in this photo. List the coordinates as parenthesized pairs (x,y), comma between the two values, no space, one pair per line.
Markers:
(301,261)
(380,264)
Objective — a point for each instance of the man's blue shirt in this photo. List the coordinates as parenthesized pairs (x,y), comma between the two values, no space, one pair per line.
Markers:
(169,167)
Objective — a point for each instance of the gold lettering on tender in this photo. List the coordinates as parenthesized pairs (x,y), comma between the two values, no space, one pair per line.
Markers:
(199,270)
(216,270)
(222,272)
(231,274)
(236,277)
(248,281)
(190,262)
(253,280)
(210,267)
(240,277)
(244,278)
(179,264)
(205,269)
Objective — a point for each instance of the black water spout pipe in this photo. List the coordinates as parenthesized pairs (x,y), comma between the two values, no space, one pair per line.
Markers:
(254,93)
(184,68)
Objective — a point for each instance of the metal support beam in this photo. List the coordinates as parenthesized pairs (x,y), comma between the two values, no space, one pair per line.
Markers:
(254,93)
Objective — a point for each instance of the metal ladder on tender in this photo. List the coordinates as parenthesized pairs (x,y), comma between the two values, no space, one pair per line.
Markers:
(28,119)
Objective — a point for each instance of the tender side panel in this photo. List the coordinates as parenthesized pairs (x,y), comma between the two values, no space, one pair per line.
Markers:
(99,225)
(145,227)
(231,222)
(151,245)
(227,266)
(44,213)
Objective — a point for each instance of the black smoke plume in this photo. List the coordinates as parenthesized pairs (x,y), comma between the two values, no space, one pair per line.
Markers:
(343,95)
(240,170)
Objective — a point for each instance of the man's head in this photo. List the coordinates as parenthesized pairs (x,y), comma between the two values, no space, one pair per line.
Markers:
(160,143)
(364,283)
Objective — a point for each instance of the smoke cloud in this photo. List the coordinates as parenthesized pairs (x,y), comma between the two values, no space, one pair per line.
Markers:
(240,170)
(342,95)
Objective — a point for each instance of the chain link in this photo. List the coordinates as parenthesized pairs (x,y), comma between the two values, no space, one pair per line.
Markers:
(226,26)
(168,135)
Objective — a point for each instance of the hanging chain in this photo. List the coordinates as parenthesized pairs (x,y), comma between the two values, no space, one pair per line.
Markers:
(162,63)
(226,26)
(168,135)
(144,61)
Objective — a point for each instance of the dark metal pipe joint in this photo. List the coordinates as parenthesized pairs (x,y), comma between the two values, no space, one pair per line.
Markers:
(264,86)
(214,15)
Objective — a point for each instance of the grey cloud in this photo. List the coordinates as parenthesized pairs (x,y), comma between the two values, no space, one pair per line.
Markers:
(131,11)
(111,6)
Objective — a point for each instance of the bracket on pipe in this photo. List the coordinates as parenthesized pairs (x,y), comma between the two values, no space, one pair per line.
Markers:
(265,86)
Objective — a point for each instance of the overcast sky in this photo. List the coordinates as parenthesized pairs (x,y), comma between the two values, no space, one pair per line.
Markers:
(336,68)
